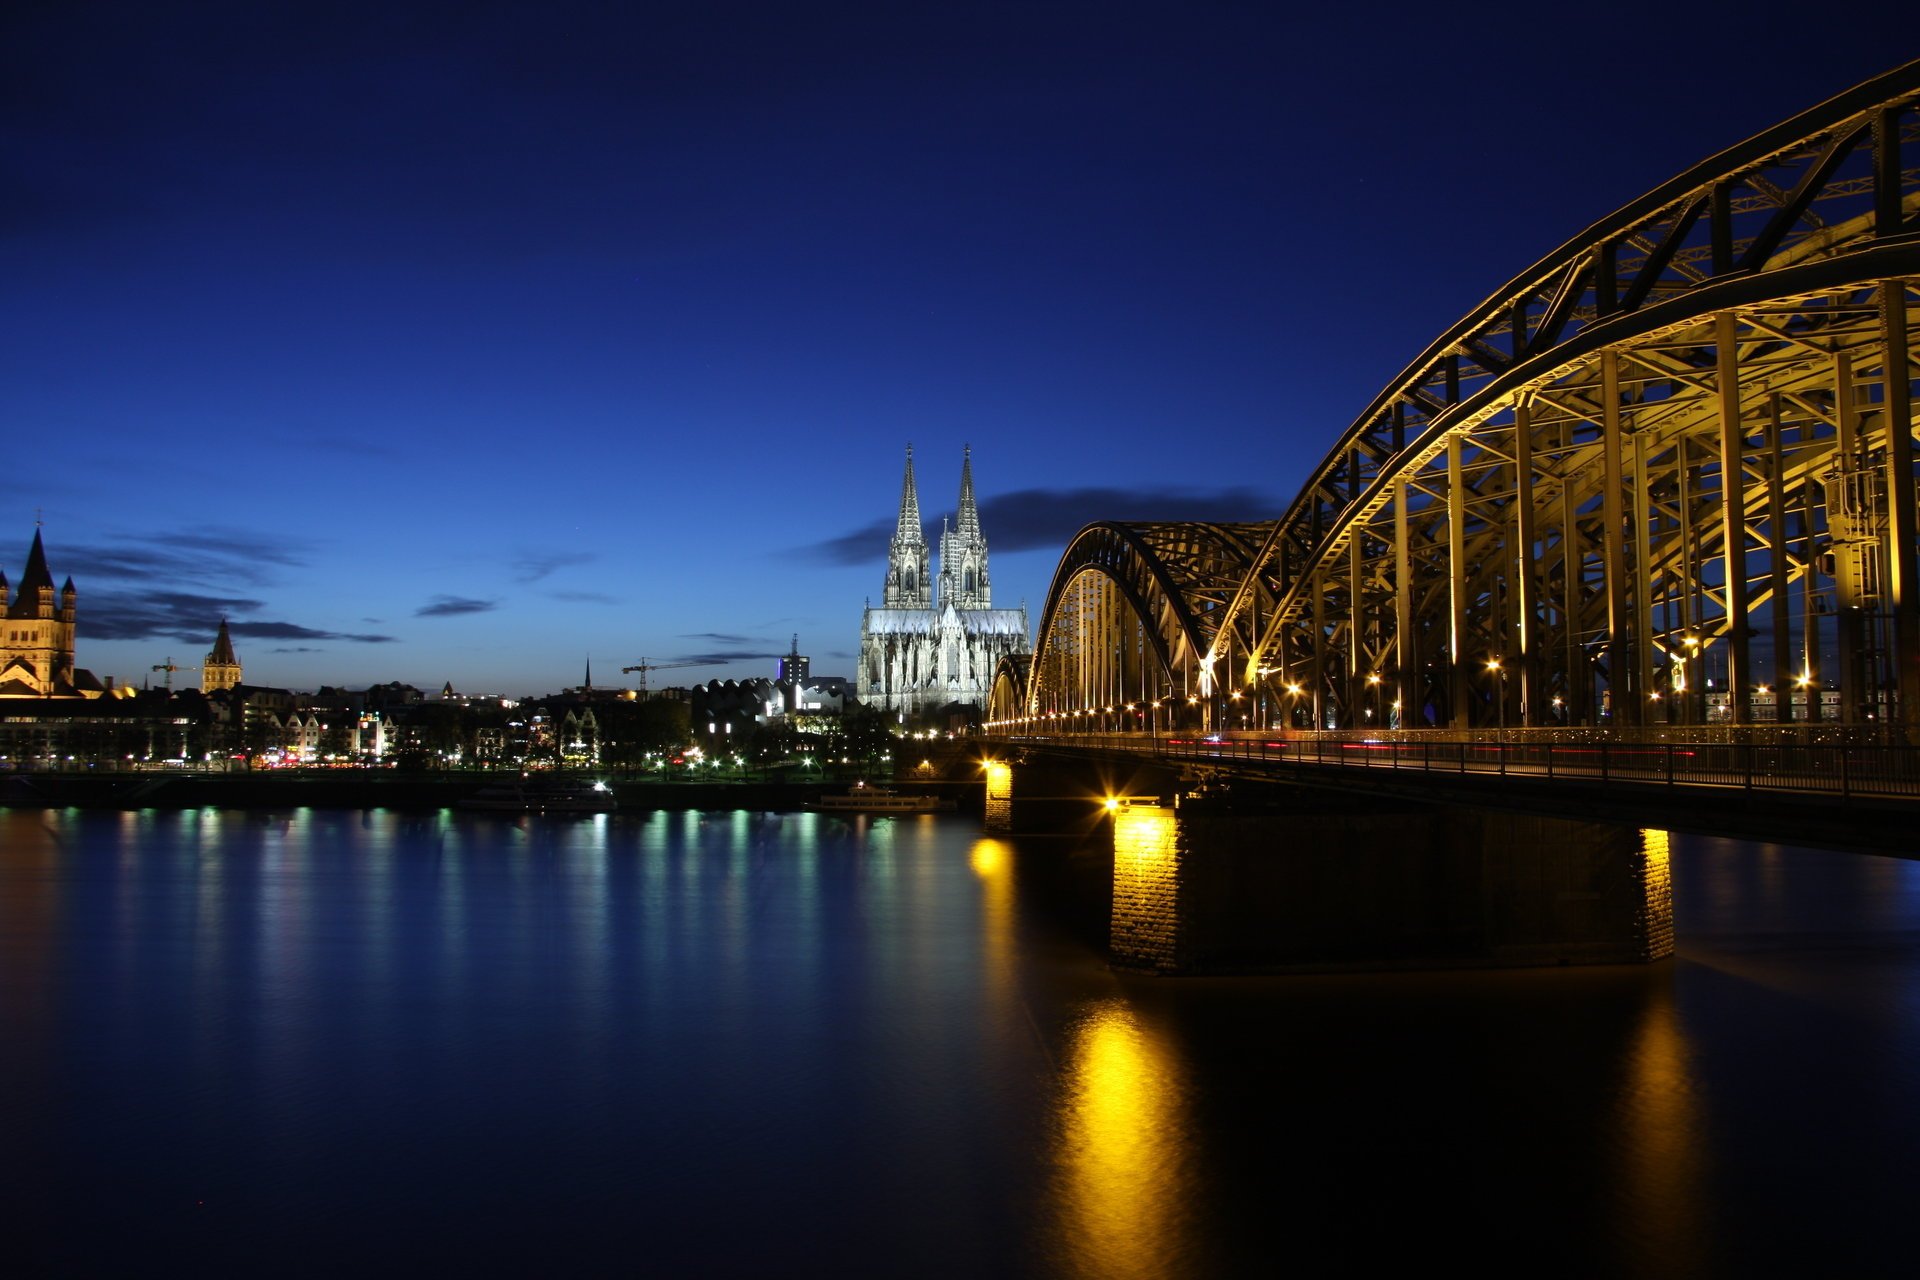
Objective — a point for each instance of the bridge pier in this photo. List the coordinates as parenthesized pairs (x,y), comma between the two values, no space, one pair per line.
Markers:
(1203,888)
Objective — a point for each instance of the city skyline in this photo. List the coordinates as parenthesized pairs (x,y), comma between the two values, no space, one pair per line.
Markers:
(437,345)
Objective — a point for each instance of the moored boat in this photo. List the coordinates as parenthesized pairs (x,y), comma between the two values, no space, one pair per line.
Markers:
(542,795)
(862,798)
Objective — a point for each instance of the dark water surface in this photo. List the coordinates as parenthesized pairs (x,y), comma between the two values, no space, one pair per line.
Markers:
(745,1044)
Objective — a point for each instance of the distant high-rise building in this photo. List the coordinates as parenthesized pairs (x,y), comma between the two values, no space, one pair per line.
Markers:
(795,666)
(794,669)
(936,641)
(221,670)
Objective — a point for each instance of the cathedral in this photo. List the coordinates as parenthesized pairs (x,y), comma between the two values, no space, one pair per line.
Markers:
(935,641)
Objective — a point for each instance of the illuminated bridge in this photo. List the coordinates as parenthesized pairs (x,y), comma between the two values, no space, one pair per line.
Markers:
(1657,488)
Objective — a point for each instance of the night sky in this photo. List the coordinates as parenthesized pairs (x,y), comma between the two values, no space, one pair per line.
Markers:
(467,342)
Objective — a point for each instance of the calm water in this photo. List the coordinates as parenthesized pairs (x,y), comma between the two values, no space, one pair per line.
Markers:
(736,1044)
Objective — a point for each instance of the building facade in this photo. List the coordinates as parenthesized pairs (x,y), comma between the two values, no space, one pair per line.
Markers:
(36,646)
(935,640)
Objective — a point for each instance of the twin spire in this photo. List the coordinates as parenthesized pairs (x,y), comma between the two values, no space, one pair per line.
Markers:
(910,529)
(963,550)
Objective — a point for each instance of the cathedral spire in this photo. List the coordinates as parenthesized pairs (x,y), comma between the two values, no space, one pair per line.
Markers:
(908,581)
(909,528)
(968,521)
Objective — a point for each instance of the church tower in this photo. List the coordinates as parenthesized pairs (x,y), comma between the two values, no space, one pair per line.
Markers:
(221,670)
(36,649)
(963,551)
(908,580)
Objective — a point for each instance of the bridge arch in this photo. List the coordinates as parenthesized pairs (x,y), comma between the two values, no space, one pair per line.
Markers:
(1132,618)
(1666,475)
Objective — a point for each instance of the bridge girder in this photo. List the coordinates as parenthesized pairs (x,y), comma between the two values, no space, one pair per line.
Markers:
(1682,441)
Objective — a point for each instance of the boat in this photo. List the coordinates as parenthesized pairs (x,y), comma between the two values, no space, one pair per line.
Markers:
(542,795)
(863,798)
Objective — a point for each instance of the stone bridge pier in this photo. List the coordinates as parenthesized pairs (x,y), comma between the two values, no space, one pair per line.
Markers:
(1324,883)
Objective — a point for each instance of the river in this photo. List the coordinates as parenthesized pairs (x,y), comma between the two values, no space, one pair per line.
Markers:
(326,1042)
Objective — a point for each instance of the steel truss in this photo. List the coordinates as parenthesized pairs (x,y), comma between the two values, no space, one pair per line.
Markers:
(1134,616)
(1677,450)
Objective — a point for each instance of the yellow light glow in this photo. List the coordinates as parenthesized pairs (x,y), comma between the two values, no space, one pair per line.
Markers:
(988,859)
(1123,1147)
(1113,804)
(999,780)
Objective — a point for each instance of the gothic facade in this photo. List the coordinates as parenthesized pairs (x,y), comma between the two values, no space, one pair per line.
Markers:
(936,640)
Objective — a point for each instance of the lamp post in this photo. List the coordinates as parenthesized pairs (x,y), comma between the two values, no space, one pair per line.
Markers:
(1499,688)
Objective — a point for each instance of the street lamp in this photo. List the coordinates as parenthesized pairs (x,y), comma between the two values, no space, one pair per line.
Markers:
(1499,688)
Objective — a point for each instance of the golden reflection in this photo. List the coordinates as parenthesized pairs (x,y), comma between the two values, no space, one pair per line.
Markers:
(992,862)
(1123,1156)
(988,860)
(1660,1137)
(30,894)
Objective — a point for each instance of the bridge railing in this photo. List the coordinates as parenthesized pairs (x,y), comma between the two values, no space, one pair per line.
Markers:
(1845,770)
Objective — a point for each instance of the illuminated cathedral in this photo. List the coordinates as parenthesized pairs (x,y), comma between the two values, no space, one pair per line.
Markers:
(936,640)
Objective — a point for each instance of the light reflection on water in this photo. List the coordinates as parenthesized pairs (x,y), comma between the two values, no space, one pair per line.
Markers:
(1125,1184)
(738,1043)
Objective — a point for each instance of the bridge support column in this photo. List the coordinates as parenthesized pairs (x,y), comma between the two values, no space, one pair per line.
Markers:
(1903,572)
(1733,516)
(1200,890)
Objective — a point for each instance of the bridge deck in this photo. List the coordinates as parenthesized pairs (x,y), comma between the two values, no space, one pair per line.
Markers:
(1841,795)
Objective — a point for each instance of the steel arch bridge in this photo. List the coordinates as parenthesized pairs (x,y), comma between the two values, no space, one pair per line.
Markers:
(1663,476)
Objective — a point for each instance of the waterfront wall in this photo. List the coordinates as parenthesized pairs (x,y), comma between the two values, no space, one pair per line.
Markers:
(363,789)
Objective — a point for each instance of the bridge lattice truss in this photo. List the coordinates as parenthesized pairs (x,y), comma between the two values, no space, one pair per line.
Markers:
(1678,449)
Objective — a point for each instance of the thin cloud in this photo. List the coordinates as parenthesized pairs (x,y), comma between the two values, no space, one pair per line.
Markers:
(453,607)
(192,618)
(532,566)
(214,556)
(582,597)
(294,631)
(720,637)
(1029,519)
(158,615)
(722,657)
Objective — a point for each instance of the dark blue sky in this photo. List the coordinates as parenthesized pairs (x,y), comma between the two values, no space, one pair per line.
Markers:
(461,342)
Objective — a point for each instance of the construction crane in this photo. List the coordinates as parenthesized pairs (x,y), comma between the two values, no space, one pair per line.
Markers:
(169,667)
(643,666)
